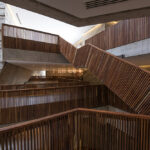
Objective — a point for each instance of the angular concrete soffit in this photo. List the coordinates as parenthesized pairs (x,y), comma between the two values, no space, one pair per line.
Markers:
(37,7)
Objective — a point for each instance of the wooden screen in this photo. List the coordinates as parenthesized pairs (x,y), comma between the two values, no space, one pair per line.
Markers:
(26,39)
(130,83)
(79,129)
(26,104)
(124,32)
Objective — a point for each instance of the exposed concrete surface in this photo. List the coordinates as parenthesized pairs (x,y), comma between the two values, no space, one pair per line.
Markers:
(110,108)
(139,60)
(133,49)
(38,66)
(32,56)
(12,74)
(37,7)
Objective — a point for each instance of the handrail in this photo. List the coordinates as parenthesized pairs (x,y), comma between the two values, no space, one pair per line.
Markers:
(31,122)
(36,121)
(79,129)
(126,80)
(41,85)
(3,92)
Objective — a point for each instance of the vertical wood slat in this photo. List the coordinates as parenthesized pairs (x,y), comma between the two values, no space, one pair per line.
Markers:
(23,104)
(67,49)
(128,81)
(124,32)
(79,129)
(26,39)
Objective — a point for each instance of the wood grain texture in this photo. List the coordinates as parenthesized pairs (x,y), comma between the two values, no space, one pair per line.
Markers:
(128,81)
(25,39)
(23,104)
(124,32)
(67,49)
(26,104)
(80,129)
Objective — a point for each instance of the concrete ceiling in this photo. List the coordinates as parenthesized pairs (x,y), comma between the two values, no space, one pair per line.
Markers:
(75,12)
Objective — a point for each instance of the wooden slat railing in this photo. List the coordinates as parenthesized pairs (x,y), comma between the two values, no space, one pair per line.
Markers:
(22,105)
(124,32)
(26,39)
(55,132)
(113,131)
(79,129)
(67,49)
(27,104)
(129,82)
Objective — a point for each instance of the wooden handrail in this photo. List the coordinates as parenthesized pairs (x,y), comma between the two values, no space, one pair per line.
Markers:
(43,119)
(42,85)
(2,92)
(128,81)
(80,129)
(36,121)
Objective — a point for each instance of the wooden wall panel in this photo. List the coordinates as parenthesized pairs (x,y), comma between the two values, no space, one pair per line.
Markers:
(125,32)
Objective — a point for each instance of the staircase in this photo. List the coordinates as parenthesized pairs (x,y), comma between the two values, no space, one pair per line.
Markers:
(129,82)
(123,85)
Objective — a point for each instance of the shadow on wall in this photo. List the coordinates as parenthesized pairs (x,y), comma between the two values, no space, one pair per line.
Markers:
(12,74)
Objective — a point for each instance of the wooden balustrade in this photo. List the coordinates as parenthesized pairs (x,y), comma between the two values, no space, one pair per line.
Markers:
(79,129)
(67,49)
(26,39)
(128,81)
(27,104)
(113,131)
(23,104)
(124,32)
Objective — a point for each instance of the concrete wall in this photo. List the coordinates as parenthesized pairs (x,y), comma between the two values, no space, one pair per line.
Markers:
(12,74)
(2,20)
(110,108)
(32,56)
(133,49)
(95,30)
(9,17)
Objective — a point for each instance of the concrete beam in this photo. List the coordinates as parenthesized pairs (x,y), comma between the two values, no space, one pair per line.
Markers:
(33,56)
(65,17)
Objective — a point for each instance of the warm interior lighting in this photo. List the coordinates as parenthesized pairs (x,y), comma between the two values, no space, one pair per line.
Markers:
(145,66)
(113,22)
(88,32)
(93,29)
